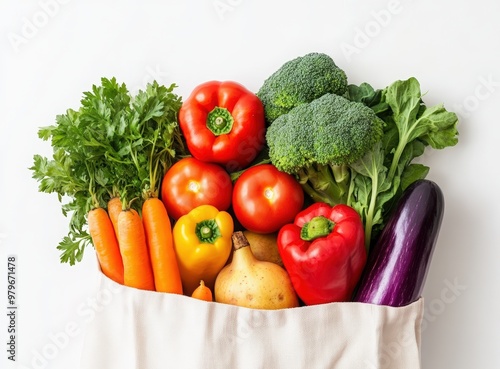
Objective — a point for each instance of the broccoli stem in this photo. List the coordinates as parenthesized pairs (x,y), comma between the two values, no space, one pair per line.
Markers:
(315,196)
(325,183)
(341,174)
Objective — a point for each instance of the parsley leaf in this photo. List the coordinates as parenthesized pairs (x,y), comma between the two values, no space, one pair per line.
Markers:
(115,144)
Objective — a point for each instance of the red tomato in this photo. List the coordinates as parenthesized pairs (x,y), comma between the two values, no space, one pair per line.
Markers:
(265,199)
(191,182)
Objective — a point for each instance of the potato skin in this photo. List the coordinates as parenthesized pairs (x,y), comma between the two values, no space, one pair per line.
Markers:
(251,283)
(264,246)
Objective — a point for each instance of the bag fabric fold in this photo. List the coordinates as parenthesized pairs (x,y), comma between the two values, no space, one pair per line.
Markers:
(139,329)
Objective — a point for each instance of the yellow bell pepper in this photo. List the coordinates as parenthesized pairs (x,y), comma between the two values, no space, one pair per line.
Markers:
(202,242)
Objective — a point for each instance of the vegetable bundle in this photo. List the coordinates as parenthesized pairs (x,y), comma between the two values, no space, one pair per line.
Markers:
(357,147)
(149,176)
(108,162)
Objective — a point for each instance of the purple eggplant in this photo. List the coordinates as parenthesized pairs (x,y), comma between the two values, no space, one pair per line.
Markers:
(398,263)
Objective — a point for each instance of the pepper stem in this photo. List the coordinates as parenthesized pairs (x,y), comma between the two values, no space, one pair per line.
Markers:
(220,121)
(317,227)
(207,231)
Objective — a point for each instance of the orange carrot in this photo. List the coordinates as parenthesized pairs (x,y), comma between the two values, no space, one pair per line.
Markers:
(132,241)
(106,244)
(202,292)
(114,209)
(161,247)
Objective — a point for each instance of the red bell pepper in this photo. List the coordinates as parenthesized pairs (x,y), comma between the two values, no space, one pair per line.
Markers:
(223,123)
(323,251)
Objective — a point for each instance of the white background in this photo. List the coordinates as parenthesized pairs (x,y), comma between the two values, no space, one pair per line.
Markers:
(53,50)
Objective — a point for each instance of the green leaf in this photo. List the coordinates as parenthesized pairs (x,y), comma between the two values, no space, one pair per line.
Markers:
(114,144)
(372,189)
(379,179)
(412,150)
(404,99)
(45,132)
(438,127)
(72,248)
(363,93)
(412,173)
(434,126)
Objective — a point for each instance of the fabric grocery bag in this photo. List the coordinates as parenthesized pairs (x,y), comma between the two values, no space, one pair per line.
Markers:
(137,329)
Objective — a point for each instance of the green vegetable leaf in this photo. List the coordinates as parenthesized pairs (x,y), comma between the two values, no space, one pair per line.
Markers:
(412,173)
(366,94)
(371,189)
(363,93)
(434,126)
(113,145)
(440,127)
(45,132)
(403,97)
(379,179)
(72,248)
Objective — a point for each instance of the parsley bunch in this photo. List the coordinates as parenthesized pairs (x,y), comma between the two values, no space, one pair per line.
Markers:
(114,145)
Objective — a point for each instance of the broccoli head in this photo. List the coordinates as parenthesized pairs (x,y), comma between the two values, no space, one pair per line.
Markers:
(317,141)
(301,81)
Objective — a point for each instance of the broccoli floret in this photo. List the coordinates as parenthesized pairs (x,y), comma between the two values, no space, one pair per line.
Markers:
(301,81)
(317,141)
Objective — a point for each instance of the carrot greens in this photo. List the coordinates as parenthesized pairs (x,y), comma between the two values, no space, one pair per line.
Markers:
(115,144)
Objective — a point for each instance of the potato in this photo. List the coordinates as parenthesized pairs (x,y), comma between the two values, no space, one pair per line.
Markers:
(252,283)
(264,246)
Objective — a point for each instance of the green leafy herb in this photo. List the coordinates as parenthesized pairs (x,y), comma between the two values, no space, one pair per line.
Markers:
(115,144)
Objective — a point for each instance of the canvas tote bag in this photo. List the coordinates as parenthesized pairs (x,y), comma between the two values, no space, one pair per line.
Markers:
(137,329)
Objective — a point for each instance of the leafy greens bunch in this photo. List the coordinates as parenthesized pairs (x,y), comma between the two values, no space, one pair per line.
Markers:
(379,178)
(114,145)
(359,148)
